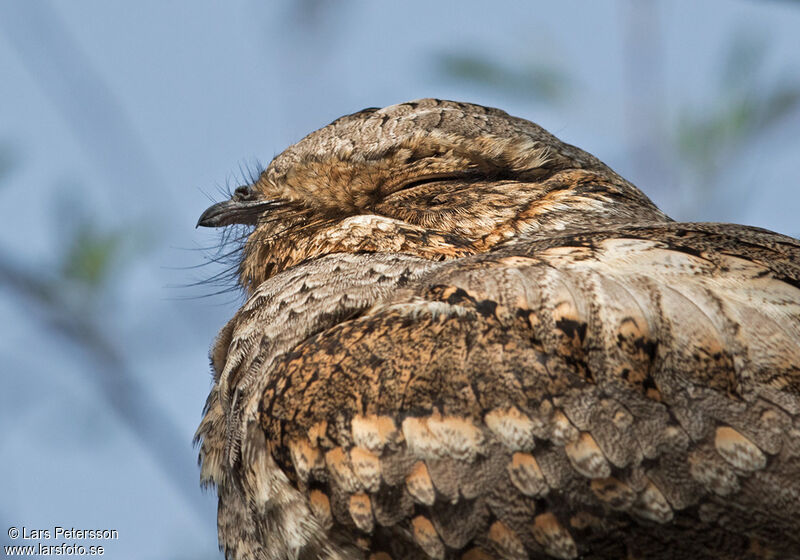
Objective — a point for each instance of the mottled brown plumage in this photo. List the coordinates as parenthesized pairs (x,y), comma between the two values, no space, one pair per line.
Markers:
(467,339)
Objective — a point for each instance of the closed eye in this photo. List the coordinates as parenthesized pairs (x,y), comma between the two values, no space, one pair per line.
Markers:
(413,182)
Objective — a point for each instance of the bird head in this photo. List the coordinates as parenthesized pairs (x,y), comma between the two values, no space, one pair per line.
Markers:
(436,179)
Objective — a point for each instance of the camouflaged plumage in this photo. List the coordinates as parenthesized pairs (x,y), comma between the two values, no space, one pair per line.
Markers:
(464,338)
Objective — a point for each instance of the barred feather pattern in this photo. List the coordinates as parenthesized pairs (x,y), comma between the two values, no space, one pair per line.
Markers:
(584,378)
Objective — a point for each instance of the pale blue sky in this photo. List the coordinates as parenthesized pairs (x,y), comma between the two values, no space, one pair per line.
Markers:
(127,113)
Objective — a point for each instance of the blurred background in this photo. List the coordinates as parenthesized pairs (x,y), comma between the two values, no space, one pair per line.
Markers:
(121,122)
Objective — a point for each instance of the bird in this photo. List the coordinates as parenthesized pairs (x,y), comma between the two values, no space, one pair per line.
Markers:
(463,338)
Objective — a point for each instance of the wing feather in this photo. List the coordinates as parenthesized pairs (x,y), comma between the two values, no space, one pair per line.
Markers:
(533,401)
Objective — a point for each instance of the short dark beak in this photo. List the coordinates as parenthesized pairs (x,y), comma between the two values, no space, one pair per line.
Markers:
(235,211)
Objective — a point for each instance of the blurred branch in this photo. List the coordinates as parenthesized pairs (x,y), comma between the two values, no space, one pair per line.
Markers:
(122,390)
(745,108)
(65,301)
(540,82)
(704,142)
(68,299)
